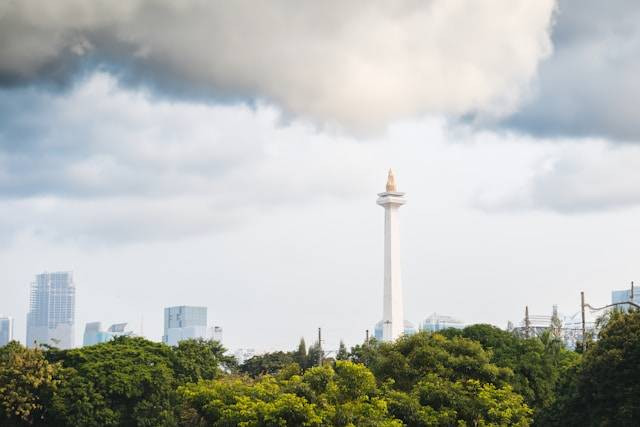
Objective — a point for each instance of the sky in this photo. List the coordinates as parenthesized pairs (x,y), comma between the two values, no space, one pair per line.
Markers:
(230,154)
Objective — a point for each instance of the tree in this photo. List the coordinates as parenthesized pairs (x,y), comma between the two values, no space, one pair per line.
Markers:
(268,363)
(237,401)
(315,355)
(429,379)
(27,382)
(346,396)
(197,359)
(603,390)
(130,382)
(343,354)
(76,402)
(537,363)
(301,354)
(407,360)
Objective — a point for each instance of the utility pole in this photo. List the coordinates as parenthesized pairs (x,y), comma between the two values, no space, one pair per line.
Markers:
(632,290)
(527,323)
(366,336)
(584,329)
(320,352)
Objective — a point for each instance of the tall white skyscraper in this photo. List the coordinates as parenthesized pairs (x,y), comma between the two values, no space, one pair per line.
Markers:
(6,330)
(393,310)
(184,322)
(51,317)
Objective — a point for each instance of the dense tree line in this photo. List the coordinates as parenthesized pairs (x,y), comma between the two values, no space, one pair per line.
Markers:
(477,376)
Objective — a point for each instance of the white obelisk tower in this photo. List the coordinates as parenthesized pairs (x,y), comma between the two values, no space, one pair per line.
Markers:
(393,310)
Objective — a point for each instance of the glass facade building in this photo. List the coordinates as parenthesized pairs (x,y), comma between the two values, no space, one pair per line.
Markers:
(184,322)
(51,317)
(6,330)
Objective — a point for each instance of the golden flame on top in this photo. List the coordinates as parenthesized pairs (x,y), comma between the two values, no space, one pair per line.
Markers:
(391,182)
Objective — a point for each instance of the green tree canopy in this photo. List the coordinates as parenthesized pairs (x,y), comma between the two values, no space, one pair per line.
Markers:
(27,382)
(537,363)
(268,363)
(603,390)
(132,377)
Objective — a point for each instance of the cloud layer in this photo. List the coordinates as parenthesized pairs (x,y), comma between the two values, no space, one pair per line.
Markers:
(571,177)
(114,165)
(590,86)
(357,65)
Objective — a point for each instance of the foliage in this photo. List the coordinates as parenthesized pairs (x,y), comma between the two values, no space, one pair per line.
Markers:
(435,380)
(478,376)
(128,382)
(537,363)
(315,355)
(345,396)
(342,354)
(603,389)
(27,381)
(406,361)
(267,364)
(301,354)
(196,359)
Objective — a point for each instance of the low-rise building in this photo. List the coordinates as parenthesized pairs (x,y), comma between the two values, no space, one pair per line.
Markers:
(94,334)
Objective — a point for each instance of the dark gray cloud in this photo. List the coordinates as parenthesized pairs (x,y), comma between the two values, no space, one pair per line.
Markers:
(357,64)
(590,85)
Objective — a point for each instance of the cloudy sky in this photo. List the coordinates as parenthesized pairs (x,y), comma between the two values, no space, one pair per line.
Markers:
(229,155)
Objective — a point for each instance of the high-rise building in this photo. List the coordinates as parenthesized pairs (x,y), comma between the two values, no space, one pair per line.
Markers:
(51,317)
(393,311)
(6,330)
(93,333)
(184,322)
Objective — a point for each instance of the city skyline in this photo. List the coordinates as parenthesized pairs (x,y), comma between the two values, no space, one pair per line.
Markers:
(196,155)
(185,322)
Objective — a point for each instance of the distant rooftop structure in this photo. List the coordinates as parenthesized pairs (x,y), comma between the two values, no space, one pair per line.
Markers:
(568,328)
(409,329)
(94,334)
(437,322)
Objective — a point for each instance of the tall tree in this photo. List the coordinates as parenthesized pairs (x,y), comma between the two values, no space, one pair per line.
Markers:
(301,354)
(342,354)
(315,355)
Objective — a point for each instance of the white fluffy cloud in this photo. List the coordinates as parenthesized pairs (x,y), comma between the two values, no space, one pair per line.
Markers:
(351,64)
(113,165)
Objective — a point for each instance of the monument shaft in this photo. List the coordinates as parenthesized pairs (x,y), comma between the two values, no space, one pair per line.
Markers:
(393,310)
